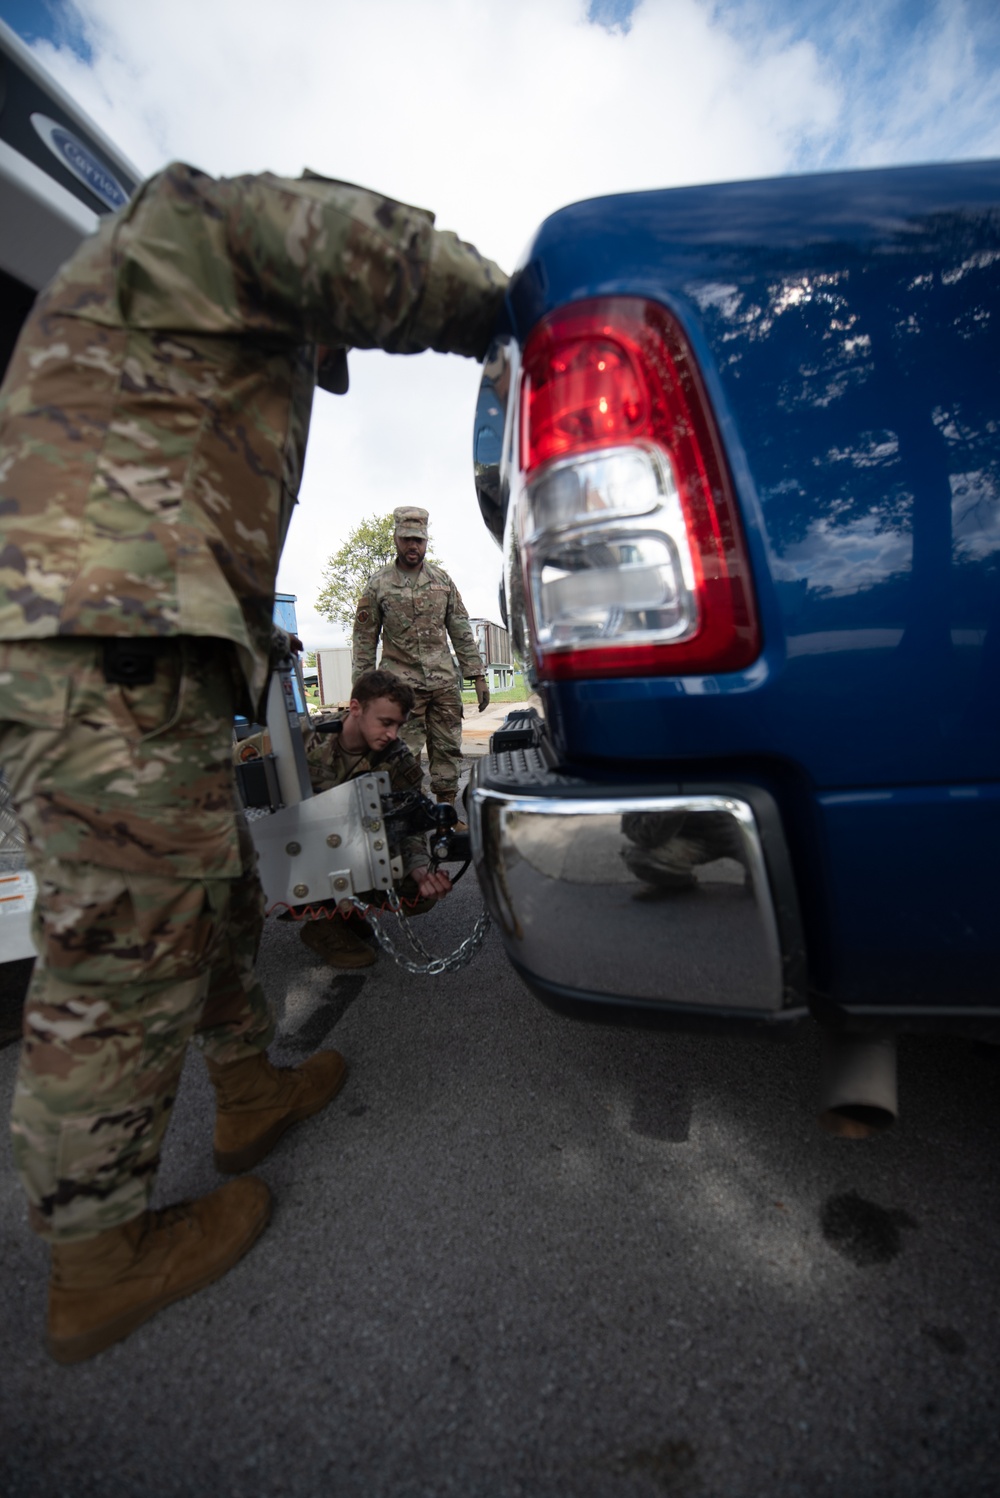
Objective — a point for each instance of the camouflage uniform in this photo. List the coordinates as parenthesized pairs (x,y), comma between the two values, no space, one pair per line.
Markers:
(415,613)
(152,427)
(146,932)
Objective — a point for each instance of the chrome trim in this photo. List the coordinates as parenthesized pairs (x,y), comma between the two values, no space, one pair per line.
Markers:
(660,900)
(581,519)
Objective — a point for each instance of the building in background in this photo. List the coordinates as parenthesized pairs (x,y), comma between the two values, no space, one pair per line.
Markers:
(494,647)
(333,671)
(333,666)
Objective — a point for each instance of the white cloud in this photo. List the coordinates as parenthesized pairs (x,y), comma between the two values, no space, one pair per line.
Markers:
(845,558)
(916,80)
(493,113)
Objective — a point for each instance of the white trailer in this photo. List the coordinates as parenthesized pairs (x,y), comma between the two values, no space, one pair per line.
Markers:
(334,680)
(58,175)
(494,647)
(17,887)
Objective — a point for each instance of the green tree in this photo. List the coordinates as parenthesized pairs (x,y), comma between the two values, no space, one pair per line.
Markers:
(369,546)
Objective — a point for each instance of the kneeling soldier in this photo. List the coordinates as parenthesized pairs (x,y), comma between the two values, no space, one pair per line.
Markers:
(364,738)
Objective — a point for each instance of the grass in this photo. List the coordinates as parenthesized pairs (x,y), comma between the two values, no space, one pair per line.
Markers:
(517,693)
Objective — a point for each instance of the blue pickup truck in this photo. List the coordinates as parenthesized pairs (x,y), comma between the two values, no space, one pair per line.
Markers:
(741,447)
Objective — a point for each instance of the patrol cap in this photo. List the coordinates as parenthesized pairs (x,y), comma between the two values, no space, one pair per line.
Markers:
(411,521)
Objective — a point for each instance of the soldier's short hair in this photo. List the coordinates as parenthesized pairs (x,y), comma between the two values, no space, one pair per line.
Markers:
(371,685)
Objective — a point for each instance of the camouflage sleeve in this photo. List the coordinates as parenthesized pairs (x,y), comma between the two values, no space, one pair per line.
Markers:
(310,259)
(319,758)
(367,626)
(460,630)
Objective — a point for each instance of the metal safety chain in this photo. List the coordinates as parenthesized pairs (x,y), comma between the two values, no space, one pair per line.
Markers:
(431,966)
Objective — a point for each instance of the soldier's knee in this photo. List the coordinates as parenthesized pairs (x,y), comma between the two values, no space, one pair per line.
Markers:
(97,926)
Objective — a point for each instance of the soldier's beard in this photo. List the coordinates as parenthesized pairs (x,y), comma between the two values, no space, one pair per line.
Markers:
(409,558)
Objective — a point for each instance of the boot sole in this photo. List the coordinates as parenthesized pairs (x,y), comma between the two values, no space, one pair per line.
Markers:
(234,1162)
(88,1344)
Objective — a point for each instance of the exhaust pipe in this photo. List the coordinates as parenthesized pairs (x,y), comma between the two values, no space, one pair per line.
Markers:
(857,1091)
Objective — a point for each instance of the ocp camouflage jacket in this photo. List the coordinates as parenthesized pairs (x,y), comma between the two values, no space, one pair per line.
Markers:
(154,417)
(415,613)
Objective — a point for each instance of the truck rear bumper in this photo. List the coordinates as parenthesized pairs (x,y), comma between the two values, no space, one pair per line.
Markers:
(675,907)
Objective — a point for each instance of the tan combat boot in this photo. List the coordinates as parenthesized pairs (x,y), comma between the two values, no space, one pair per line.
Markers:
(102,1288)
(336,942)
(256,1102)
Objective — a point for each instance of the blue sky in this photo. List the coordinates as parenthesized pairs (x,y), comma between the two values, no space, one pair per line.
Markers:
(879,49)
(616,15)
(48,19)
(874,50)
(29,18)
(45,20)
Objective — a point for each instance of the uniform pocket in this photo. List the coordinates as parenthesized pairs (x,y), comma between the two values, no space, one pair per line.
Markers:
(153,707)
(35,679)
(437,603)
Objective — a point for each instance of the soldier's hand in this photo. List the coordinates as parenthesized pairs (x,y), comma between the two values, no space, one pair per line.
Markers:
(482,691)
(284,644)
(431,885)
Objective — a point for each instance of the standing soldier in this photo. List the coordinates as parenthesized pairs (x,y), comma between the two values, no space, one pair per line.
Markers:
(415,607)
(152,430)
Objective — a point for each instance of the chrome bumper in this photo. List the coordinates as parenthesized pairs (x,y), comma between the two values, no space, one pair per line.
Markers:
(664,902)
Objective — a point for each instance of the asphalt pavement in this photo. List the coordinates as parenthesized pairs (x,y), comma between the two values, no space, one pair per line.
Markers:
(525,1256)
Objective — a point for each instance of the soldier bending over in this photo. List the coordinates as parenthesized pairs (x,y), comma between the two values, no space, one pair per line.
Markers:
(152,431)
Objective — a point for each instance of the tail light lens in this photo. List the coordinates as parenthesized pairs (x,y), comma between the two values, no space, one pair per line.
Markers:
(634,562)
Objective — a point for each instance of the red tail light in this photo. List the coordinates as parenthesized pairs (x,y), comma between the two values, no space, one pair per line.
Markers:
(584,393)
(633,556)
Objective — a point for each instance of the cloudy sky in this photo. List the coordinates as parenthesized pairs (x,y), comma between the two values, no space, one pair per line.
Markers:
(493,113)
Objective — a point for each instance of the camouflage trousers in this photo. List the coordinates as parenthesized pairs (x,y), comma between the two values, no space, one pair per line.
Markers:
(147,918)
(437,717)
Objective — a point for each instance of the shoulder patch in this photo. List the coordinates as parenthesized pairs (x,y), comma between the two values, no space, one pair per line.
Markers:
(362,616)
